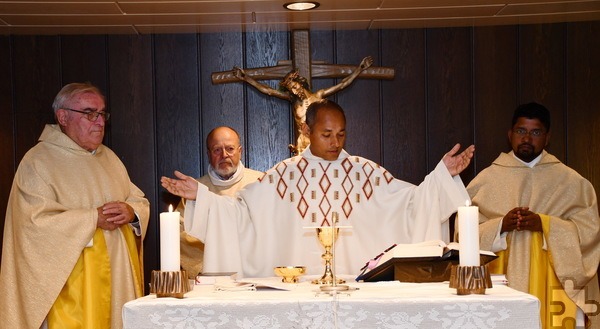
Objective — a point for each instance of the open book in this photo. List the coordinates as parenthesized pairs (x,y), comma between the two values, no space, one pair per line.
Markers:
(422,252)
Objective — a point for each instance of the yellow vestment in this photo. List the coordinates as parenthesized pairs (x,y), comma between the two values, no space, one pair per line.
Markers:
(571,231)
(50,225)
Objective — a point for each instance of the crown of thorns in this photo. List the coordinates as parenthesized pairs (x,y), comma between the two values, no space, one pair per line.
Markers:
(294,75)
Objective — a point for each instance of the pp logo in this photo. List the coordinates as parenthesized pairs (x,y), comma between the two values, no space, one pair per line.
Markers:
(558,318)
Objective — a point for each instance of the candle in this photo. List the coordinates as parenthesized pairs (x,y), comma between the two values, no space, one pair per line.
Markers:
(468,234)
(169,241)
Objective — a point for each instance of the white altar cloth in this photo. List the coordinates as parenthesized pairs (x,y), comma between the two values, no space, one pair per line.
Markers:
(373,305)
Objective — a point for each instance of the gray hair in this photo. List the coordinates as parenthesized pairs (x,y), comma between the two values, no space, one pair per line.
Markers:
(72,90)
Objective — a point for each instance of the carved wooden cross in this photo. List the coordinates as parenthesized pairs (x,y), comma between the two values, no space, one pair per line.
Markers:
(302,62)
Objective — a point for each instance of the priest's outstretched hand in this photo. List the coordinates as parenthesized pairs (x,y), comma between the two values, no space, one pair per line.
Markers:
(456,163)
(183,186)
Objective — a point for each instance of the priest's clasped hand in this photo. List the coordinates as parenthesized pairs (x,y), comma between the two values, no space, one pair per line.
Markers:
(113,215)
(457,163)
(521,219)
(183,186)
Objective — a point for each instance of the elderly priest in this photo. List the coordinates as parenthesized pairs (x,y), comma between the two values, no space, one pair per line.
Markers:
(269,222)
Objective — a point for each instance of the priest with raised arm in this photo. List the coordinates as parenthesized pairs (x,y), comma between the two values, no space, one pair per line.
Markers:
(272,222)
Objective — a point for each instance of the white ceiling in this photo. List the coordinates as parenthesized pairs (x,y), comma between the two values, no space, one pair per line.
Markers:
(200,16)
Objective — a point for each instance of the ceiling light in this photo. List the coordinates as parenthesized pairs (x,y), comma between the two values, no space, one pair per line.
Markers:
(301,5)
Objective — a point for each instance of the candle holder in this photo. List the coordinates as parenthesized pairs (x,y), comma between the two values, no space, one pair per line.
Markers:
(470,279)
(169,283)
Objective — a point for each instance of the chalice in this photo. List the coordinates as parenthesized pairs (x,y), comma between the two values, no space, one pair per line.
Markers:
(327,237)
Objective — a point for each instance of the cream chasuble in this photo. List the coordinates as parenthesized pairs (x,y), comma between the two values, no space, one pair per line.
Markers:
(51,217)
(571,227)
(272,222)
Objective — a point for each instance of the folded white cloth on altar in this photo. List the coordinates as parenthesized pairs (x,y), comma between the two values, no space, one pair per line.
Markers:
(235,286)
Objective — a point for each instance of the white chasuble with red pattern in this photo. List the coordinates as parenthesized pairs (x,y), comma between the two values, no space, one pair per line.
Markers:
(272,222)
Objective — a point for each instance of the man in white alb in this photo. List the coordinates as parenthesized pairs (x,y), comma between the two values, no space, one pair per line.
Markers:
(271,222)
(226,175)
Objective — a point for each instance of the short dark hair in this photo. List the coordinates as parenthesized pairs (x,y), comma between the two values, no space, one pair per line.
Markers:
(532,110)
(315,107)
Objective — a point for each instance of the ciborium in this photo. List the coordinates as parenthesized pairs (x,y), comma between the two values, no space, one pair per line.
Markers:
(327,237)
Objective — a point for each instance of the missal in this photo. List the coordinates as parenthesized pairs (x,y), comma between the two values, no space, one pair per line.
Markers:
(215,277)
(428,261)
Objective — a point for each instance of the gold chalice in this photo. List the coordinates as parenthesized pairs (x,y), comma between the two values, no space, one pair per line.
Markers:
(327,237)
(289,274)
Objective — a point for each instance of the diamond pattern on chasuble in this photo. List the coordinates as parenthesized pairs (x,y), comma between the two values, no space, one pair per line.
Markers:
(281,185)
(302,185)
(388,176)
(302,164)
(302,207)
(325,207)
(347,165)
(347,207)
(325,183)
(368,189)
(368,169)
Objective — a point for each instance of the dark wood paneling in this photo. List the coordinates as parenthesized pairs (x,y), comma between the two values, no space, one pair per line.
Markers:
(403,104)
(449,93)
(322,47)
(583,103)
(269,125)
(84,59)
(494,91)
(361,99)
(542,76)
(36,83)
(132,125)
(223,104)
(177,108)
(8,165)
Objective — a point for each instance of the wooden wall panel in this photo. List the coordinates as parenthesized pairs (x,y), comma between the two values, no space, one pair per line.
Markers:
(177,108)
(542,76)
(132,125)
(8,164)
(322,47)
(583,103)
(403,104)
(222,104)
(37,61)
(361,100)
(449,93)
(269,125)
(84,59)
(494,91)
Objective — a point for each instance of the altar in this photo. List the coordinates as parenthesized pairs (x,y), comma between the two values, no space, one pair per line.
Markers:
(389,304)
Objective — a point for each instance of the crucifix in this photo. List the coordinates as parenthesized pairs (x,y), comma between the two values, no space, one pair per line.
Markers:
(297,75)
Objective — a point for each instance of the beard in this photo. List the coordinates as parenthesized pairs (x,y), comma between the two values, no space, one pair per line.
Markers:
(225,169)
(526,152)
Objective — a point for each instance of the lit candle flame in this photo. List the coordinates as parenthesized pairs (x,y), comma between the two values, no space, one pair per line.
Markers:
(468,203)
(170,208)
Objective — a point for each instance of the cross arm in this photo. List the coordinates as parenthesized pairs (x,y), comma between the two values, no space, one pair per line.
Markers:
(341,71)
(261,73)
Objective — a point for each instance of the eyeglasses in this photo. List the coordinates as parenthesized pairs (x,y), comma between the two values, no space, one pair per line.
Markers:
(230,150)
(532,133)
(91,114)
